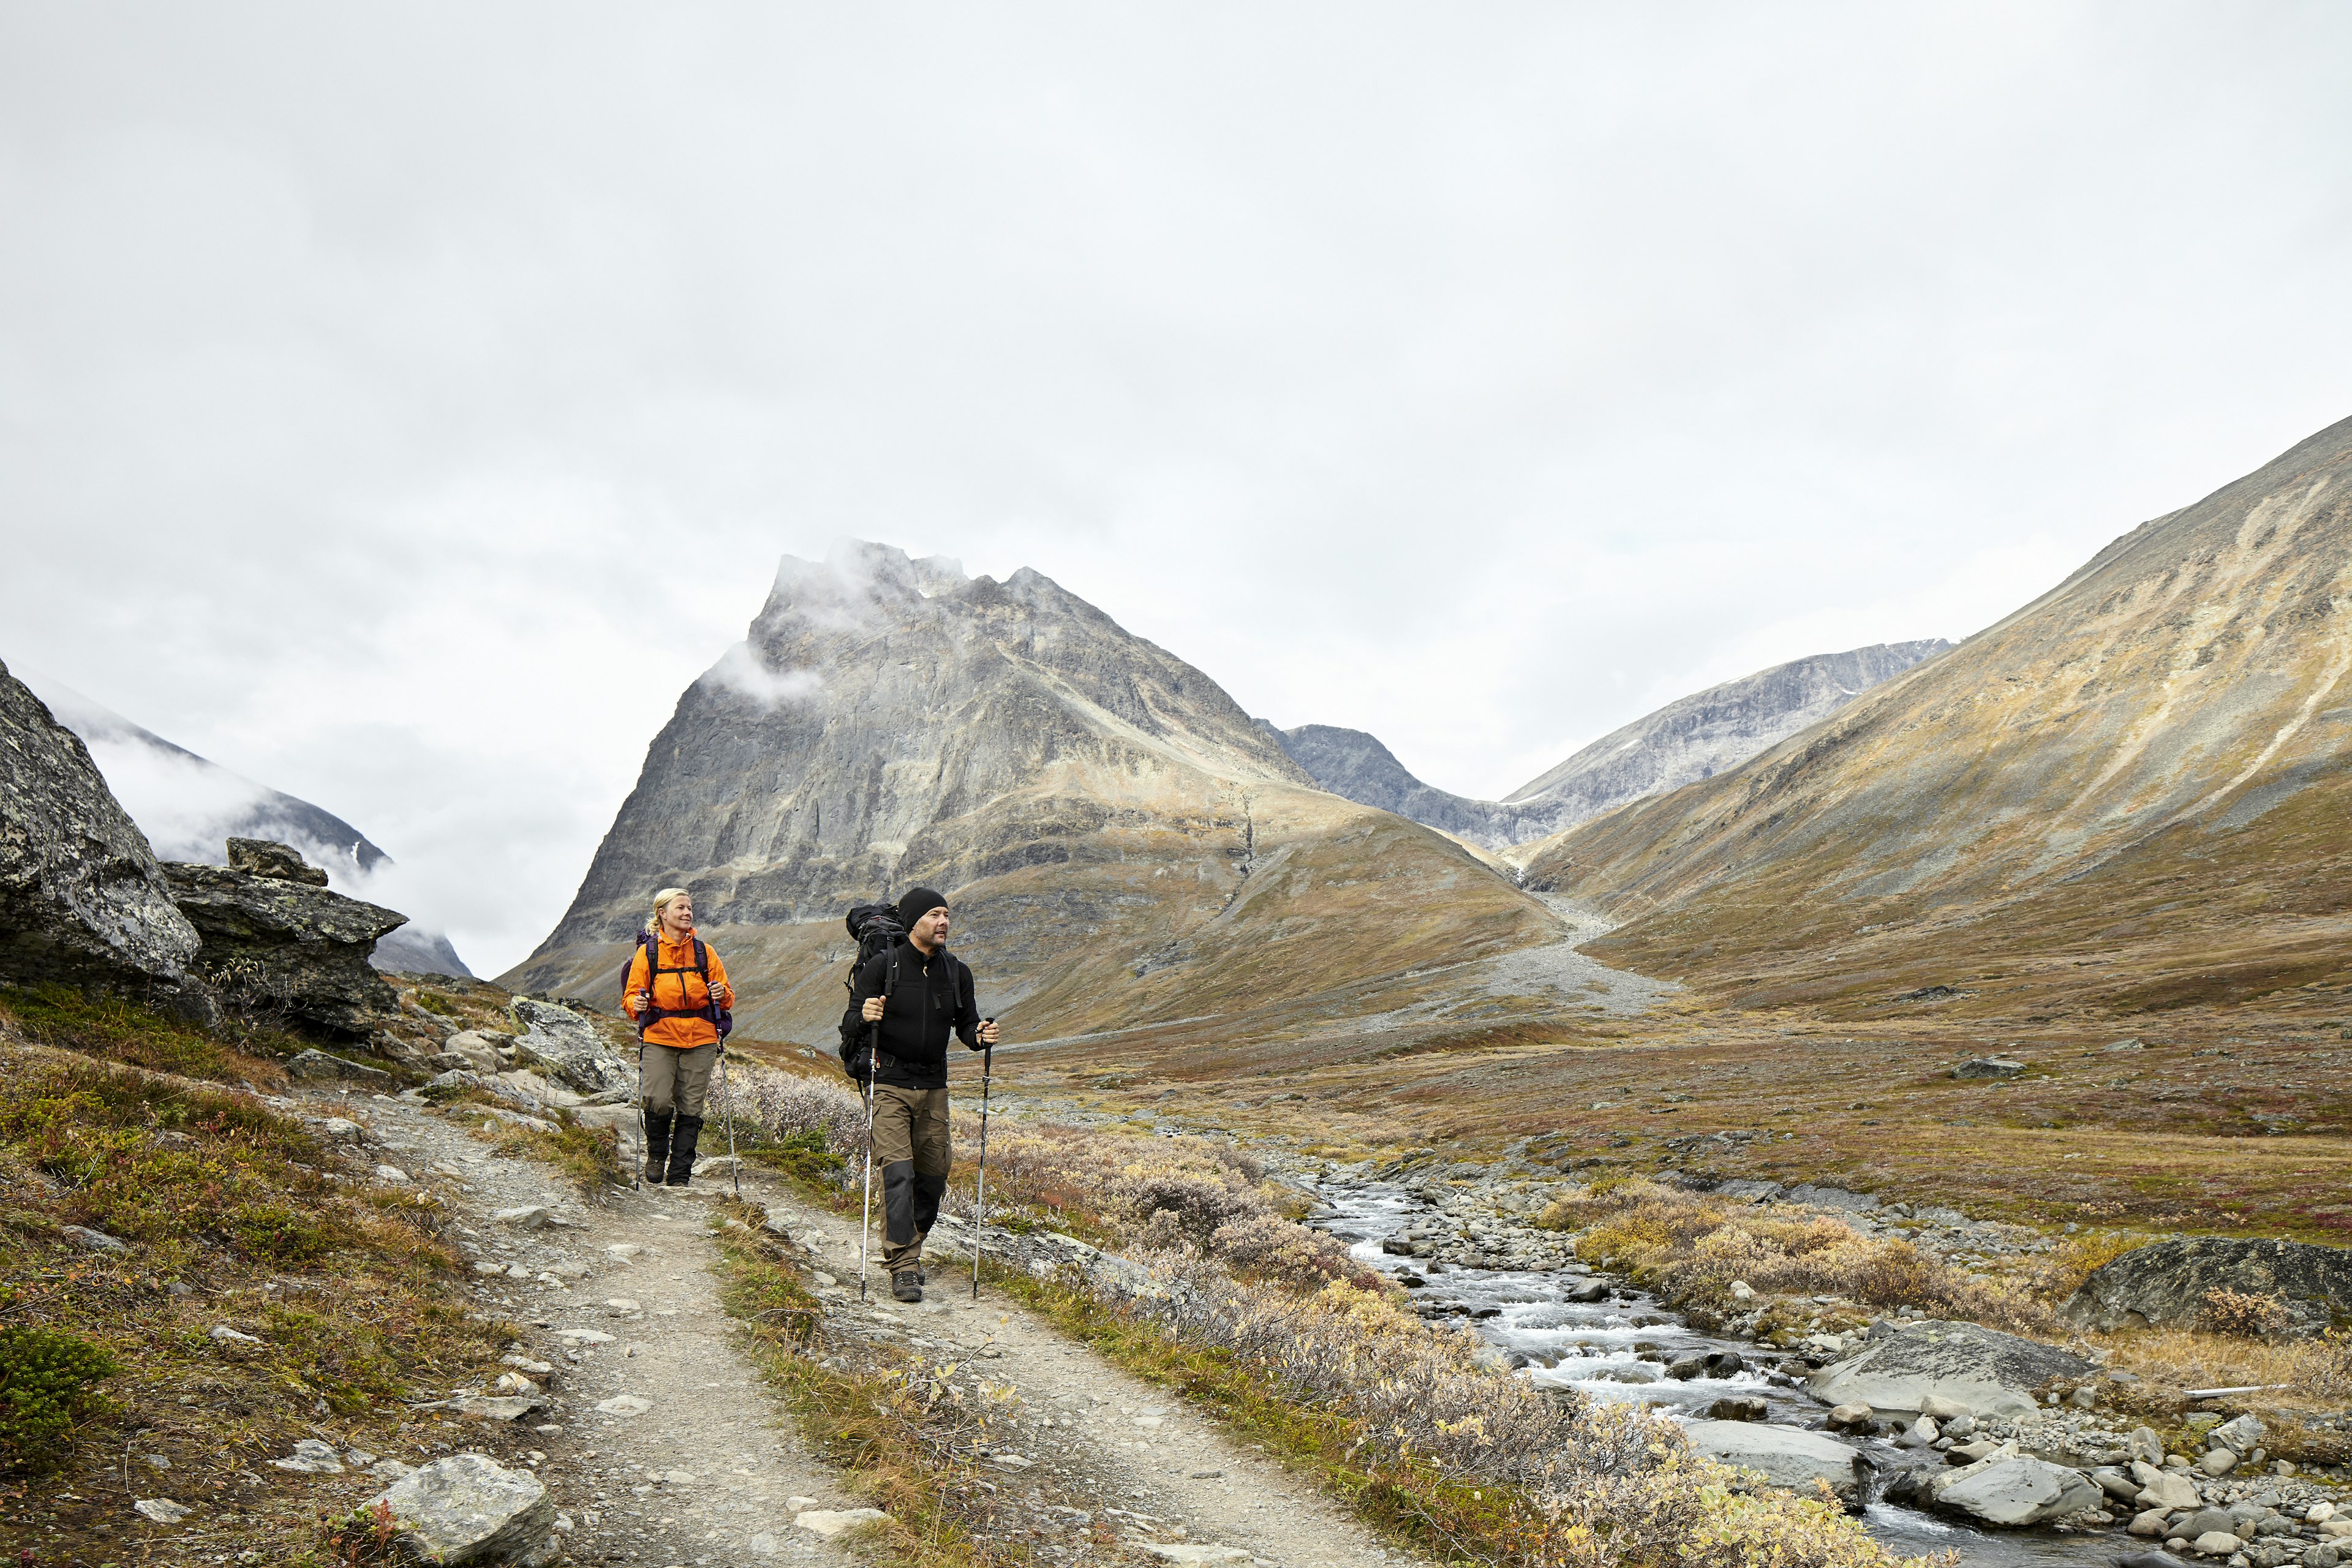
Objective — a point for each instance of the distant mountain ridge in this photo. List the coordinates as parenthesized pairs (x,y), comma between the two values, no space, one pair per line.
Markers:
(2129,794)
(1692,737)
(189,808)
(1124,843)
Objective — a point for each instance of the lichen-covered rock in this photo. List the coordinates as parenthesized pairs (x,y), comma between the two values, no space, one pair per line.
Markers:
(1982,1370)
(573,1049)
(82,901)
(280,862)
(2167,1284)
(288,947)
(470,1509)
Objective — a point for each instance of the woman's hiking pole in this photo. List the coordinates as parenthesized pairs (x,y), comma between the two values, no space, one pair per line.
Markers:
(980,1187)
(727,1109)
(866,1227)
(637,1170)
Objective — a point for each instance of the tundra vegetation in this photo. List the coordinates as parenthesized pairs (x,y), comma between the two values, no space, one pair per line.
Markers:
(190,1291)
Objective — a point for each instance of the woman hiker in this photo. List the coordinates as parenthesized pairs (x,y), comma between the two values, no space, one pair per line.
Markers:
(672,1005)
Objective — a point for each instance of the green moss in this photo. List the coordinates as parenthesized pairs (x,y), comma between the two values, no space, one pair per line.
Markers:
(47,1384)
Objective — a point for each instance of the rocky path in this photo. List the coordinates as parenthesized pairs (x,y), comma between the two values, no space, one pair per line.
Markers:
(1152,1467)
(661,1446)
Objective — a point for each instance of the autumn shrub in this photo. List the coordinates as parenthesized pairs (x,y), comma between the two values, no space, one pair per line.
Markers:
(1692,1246)
(2242,1314)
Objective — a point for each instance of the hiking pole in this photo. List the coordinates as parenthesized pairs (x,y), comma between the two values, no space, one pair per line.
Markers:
(979,1185)
(727,1109)
(645,1135)
(866,1226)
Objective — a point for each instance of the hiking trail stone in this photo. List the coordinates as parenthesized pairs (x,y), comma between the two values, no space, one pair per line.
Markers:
(470,1509)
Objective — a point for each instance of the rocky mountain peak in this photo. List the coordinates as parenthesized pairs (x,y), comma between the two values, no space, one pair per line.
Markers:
(889,721)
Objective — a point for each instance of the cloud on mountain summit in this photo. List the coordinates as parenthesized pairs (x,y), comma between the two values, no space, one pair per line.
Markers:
(742,670)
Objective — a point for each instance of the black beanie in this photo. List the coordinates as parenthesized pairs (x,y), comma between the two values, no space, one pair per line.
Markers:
(917,903)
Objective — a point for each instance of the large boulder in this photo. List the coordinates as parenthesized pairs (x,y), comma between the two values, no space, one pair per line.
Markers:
(1899,1368)
(284,945)
(573,1049)
(470,1509)
(2016,1491)
(2167,1284)
(1785,1457)
(82,901)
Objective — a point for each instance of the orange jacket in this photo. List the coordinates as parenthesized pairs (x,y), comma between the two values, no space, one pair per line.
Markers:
(677,992)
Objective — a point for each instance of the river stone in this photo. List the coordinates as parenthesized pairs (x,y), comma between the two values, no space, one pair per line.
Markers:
(289,948)
(1900,1367)
(2116,1484)
(2019,1491)
(2165,1285)
(2215,1543)
(573,1049)
(1785,1457)
(82,901)
(2241,1436)
(2169,1489)
(469,1508)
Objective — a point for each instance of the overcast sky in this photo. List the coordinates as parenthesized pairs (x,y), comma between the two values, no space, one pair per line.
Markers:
(400,405)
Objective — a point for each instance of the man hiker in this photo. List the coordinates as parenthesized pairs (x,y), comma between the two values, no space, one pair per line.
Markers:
(931,999)
(674,1000)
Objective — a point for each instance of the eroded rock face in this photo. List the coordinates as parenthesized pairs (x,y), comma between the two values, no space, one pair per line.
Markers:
(288,946)
(470,1509)
(1985,1370)
(82,901)
(2167,1284)
(571,1046)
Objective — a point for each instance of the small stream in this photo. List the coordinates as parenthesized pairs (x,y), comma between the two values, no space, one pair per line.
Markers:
(1599,1347)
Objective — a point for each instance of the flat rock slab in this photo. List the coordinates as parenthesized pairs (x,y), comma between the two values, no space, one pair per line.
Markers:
(1186,1553)
(831,1521)
(1785,1457)
(2016,1493)
(470,1509)
(2166,1285)
(319,1066)
(1988,1372)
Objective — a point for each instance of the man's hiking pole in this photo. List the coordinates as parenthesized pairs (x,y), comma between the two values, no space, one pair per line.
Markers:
(980,1187)
(866,1227)
(727,1109)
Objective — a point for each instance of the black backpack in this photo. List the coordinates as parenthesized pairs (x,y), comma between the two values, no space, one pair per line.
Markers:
(876,928)
(721,1019)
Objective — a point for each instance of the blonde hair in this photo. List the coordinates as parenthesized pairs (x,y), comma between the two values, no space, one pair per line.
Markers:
(661,901)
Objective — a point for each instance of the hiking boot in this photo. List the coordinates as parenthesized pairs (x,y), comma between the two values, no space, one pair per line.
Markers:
(906,1285)
(658,1146)
(681,1151)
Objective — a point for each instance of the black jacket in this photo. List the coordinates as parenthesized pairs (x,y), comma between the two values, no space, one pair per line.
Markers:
(932,1000)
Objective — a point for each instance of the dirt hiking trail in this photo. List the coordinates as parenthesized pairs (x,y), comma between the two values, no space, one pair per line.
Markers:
(662,1446)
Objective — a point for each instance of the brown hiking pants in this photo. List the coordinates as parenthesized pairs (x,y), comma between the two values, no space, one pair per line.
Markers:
(675,1078)
(910,1147)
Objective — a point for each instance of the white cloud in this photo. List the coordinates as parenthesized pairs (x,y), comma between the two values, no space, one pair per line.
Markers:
(742,671)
